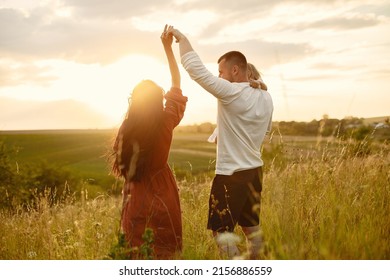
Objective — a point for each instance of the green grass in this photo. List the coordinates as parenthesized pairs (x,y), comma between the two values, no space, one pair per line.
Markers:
(330,201)
(84,152)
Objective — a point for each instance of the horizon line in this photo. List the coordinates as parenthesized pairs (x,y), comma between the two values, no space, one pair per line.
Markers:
(184,125)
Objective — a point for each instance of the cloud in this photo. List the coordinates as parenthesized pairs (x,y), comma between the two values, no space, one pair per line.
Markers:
(313,77)
(99,31)
(249,8)
(379,9)
(261,53)
(62,114)
(12,74)
(34,37)
(114,9)
(236,11)
(331,66)
(230,7)
(381,73)
(343,22)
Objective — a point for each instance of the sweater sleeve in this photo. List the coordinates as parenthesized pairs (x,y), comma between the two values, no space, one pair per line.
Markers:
(222,89)
(175,106)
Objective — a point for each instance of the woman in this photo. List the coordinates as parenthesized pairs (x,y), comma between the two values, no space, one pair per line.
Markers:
(254,78)
(150,193)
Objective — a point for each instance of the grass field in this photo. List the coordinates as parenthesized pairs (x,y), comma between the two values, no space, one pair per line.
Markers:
(321,200)
(84,152)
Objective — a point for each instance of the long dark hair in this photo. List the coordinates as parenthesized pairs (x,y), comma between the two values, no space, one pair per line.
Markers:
(135,140)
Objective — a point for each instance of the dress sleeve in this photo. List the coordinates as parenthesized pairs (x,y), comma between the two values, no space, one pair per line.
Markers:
(175,106)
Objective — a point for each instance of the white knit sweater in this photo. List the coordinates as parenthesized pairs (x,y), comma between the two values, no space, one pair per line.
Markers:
(244,117)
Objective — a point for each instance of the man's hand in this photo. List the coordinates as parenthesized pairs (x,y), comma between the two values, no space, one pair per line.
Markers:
(184,44)
(175,32)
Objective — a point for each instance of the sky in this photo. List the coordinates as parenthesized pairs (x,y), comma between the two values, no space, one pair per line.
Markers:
(73,63)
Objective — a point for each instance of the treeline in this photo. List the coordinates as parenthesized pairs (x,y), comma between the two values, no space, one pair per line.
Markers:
(21,186)
(25,185)
(206,127)
(355,128)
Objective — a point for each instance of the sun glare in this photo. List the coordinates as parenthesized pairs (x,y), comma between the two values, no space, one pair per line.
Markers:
(107,88)
(63,12)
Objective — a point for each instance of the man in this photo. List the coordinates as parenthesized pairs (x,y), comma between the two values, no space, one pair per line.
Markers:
(244,117)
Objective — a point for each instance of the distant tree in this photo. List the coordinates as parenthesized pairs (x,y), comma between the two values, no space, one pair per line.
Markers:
(21,185)
(312,128)
(196,128)
(10,180)
(361,132)
(6,169)
(51,179)
(205,127)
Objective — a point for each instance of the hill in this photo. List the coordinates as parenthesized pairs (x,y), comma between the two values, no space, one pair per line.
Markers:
(376,120)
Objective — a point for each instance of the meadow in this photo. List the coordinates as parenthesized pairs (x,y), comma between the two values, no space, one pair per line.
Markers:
(322,198)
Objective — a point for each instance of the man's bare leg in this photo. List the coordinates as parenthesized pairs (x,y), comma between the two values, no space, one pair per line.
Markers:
(227,243)
(253,235)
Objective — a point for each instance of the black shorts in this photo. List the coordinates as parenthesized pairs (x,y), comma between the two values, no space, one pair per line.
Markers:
(235,199)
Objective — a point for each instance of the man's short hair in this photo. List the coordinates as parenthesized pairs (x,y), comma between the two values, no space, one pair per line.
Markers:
(235,58)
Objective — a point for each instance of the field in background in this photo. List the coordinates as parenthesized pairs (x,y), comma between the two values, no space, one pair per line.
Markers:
(322,198)
(85,152)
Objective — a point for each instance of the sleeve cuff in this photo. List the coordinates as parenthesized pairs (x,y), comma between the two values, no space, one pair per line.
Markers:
(175,94)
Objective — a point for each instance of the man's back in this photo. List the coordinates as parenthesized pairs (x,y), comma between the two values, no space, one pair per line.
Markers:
(244,117)
(242,125)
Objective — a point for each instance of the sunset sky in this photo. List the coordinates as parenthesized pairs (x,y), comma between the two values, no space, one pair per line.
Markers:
(73,63)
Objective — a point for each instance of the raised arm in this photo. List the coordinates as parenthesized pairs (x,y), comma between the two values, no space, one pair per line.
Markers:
(218,87)
(167,39)
(184,44)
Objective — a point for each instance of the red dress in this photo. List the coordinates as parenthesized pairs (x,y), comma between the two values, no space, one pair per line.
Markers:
(153,202)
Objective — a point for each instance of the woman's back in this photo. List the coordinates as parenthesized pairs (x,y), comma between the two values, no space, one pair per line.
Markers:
(153,200)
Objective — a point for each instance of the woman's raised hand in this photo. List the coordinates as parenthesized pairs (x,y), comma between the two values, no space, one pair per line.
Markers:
(166,38)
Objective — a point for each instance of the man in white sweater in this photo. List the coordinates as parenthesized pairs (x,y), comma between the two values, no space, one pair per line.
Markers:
(244,117)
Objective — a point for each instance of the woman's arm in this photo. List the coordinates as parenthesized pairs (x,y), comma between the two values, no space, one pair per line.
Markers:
(167,39)
(258,84)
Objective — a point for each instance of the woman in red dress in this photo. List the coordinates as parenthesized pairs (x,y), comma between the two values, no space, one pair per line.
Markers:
(150,193)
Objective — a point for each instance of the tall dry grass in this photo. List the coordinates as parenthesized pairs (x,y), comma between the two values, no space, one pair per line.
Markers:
(331,202)
(71,230)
